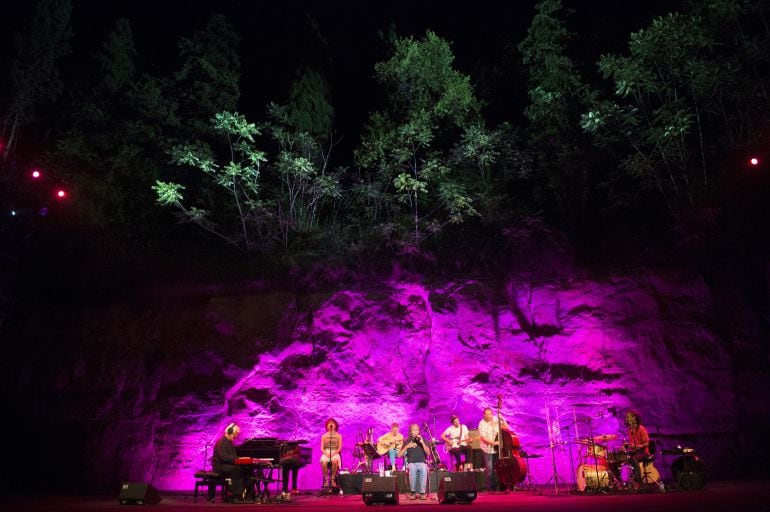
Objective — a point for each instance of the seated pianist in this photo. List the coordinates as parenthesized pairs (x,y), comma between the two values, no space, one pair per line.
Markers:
(223,462)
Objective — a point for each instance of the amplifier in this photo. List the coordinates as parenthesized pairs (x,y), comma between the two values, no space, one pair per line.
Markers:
(379,490)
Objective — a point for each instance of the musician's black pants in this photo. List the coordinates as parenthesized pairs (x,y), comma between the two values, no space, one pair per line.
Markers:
(235,474)
(458,453)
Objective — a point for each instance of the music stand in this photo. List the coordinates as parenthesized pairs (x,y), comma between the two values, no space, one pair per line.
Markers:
(371,454)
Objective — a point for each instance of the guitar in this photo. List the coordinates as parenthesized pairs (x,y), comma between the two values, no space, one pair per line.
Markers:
(384,446)
(650,475)
(456,443)
(451,444)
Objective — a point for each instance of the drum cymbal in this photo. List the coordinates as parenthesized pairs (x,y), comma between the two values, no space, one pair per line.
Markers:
(605,437)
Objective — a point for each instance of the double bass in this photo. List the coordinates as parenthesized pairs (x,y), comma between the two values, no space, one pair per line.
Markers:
(511,468)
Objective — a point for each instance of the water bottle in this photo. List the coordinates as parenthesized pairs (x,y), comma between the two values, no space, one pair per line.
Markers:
(382,469)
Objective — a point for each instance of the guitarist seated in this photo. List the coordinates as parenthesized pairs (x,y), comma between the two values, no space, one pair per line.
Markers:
(390,443)
(456,438)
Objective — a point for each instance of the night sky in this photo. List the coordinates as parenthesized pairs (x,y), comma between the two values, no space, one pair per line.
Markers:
(277,37)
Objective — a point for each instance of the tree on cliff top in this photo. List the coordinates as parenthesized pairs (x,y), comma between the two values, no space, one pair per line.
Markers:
(34,73)
(407,181)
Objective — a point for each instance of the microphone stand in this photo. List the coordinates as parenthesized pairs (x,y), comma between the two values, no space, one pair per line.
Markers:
(571,458)
(433,455)
(205,456)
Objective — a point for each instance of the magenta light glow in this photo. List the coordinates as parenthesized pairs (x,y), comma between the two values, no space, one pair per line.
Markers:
(583,350)
(36,174)
(61,194)
(754,161)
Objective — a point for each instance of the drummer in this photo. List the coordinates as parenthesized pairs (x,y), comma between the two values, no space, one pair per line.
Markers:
(638,443)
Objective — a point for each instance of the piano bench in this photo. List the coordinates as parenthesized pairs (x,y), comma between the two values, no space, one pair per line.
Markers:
(209,478)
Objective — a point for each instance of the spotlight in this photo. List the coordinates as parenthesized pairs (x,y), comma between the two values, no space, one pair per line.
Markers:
(13,213)
(754,161)
(61,194)
(36,174)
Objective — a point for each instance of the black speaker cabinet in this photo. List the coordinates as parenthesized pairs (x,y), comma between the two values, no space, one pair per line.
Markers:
(138,494)
(379,490)
(457,488)
(351,483)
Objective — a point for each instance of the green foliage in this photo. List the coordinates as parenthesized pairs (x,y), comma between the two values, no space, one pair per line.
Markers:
(110,146)
(308,109)
(34,72)
(554,82)
(306,185)
(406,153)
(207,81)
(556,95)
(680,93)
(237,177)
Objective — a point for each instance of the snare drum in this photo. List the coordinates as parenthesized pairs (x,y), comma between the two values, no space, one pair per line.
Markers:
(592,476)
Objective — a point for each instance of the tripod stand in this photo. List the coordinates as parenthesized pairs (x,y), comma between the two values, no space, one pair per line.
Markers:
(554,438)
(364,463)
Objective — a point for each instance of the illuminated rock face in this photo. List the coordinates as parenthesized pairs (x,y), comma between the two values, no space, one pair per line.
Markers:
(405,352)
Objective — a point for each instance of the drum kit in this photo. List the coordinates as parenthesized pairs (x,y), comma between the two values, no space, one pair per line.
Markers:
(606,466)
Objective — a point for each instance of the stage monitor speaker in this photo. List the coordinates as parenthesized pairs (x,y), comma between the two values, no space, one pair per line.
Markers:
(457,488)
(380,490)
(132,493)
(350,483)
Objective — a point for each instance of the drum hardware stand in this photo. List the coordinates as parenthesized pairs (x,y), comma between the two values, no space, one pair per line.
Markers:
(552,442)
(596,462)
(662,457)
(530,483)
(571,456)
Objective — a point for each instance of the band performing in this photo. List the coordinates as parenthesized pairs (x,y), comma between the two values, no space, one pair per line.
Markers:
(607,463)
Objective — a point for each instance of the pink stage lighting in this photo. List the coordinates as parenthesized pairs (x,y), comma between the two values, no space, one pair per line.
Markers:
(36,174)
(754,161)
(61,194)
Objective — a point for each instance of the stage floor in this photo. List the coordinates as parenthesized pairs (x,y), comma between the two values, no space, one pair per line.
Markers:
(718,496)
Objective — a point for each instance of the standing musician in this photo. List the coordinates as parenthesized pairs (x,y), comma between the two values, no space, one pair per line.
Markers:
(638,441)
(456,438)
(416,455)
(391,441)
(488,430)
(331,447)
(223,462)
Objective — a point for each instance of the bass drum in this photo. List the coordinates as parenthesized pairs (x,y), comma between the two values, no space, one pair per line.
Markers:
(689,472)
(593,477)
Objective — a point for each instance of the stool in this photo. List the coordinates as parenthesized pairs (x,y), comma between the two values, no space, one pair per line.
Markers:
(208,479)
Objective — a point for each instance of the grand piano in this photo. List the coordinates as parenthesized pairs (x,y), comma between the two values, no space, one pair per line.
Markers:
(259,457)
(280,450)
